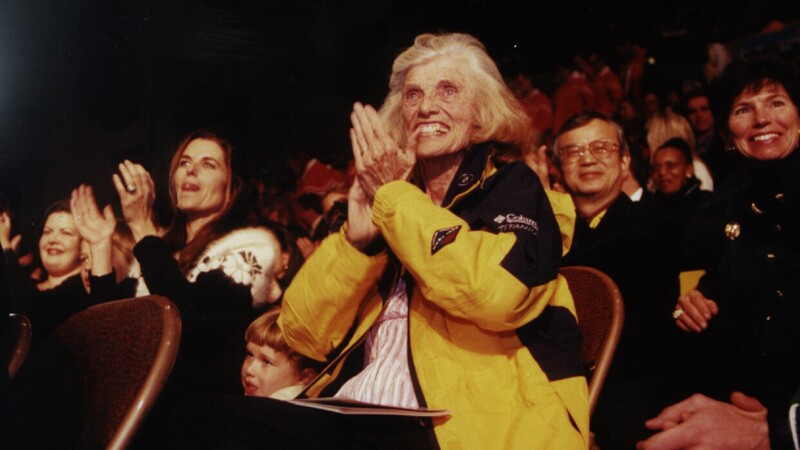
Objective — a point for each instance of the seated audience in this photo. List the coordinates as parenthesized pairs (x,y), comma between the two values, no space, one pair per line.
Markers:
(710,144)
(442,293)
(667,125)
(631,243)
(536,103)
(271,368)
(747,306)
(677,190)
(219,272)
(573,95)
(62,294)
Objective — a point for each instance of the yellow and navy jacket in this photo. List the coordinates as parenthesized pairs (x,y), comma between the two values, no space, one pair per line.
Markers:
(493,334)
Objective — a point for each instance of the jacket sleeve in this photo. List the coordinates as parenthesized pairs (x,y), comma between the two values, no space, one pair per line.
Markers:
(497,270)
(324,299)
(783,426)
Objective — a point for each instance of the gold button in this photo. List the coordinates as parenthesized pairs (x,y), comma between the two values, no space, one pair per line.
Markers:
(733,230)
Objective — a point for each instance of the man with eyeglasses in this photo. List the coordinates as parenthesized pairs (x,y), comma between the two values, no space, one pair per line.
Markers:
(633,245)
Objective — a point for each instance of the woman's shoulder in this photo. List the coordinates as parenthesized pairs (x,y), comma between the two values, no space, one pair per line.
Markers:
(241,239)
(257,244)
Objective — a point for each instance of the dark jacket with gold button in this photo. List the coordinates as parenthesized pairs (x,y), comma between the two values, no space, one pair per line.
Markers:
(751,232)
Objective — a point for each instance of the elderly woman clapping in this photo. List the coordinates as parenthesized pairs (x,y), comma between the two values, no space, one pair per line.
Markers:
(442,289)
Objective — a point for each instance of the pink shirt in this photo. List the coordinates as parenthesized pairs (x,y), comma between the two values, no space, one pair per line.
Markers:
(386,377)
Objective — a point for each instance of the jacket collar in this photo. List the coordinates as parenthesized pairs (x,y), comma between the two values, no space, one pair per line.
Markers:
(472,171)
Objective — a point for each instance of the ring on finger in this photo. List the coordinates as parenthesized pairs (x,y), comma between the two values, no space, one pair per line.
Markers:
(131,188)
(677,313)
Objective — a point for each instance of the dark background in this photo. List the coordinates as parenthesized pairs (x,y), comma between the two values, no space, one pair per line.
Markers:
(86,84)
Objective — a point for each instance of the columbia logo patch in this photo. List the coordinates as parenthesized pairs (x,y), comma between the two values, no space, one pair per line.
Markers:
(443,237)
(516,222)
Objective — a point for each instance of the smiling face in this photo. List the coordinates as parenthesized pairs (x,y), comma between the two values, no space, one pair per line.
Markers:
(201,179)
(438,107)
(265,371)
(589,176)
(670,170)
(699,114)
(764,124)
(60,245)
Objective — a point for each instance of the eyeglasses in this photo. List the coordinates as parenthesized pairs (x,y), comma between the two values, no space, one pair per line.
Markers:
(600,149)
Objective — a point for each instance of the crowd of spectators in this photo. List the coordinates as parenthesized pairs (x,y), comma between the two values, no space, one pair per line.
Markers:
(698,176)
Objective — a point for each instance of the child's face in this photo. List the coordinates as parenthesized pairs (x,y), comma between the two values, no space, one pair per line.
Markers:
(265,371)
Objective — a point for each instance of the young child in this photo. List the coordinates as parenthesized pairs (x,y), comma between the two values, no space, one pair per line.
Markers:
(271,368)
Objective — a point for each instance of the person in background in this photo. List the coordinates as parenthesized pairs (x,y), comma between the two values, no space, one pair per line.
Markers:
(536,103)
(746,309)
(710,144)
(667,125)
(605,84)
(632,244)
(573,95)
(678,191)
(67,225)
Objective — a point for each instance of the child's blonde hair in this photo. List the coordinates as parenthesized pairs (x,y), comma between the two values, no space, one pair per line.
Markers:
(265,331)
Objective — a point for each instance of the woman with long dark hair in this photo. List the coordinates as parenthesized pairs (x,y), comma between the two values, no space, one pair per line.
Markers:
(219,272)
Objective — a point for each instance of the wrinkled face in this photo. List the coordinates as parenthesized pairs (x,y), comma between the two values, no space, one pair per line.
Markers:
(670,171)
(265,371)
(591,176)
(699,114)
(438,108)
(764,124)
(60,245)
(201,179)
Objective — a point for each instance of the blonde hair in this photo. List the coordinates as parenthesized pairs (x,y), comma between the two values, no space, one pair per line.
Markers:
(663,127)
(265,331)
(498,114)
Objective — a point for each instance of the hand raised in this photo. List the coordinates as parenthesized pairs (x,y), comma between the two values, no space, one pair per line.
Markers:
(378,159)
(136,194)
(94,226)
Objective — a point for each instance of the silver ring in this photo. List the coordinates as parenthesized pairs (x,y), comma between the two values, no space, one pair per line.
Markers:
(677,313)
(131,188)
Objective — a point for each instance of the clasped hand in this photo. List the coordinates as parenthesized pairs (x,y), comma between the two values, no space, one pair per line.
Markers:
(703,423)
(378,161)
